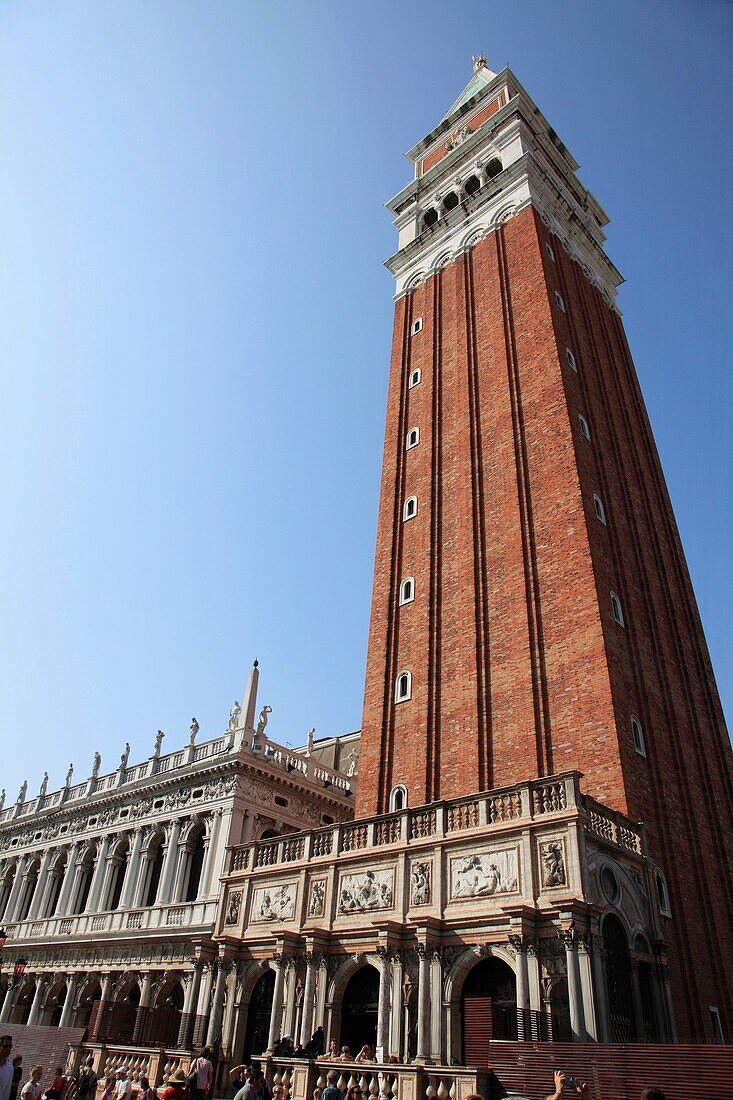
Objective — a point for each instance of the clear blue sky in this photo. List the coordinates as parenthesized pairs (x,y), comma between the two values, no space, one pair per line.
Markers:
(196,330)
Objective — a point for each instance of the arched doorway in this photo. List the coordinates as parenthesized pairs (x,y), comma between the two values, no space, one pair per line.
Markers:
(646,990)
(619,981)
(258,1016)
(359,1010)
(488,1009)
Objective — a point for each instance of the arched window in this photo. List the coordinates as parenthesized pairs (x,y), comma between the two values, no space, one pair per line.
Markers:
(571,359)
(638,735)
(662,894)
(416,326)
(413,438)
(584,428)
(407,590)
(550,252)
(494,167)
(472,185)
(403,687)
(398,798)
(153,872)
(430,217)
(415,377)
(560,301)
(410,509)
(600,510)
(450,202)
(617,611)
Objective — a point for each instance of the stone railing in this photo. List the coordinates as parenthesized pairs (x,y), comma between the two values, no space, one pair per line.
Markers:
(305,766)
(377,1081)
(493,811)
(155,1063)
(613,826)
(193,913)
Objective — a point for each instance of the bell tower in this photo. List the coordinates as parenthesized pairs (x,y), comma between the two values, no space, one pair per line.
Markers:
(532,611)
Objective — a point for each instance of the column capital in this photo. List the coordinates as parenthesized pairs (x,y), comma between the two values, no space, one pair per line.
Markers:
(569,938)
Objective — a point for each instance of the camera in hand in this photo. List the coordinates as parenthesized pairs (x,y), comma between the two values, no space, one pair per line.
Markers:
(570,1082)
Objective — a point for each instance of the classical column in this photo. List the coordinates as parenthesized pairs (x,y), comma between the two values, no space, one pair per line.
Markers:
(103,998)
(62,906)
(41,987)
(519,943)
(399,999)
(423,1005)
(133,864)
(202,1009)
(291,987)
(105,895)
(8,1002)
(35,906)
(68,1008)
(436,1001)
(309,994)
(98,875)
(15,890)
(142,1009)
(212,854)
(575,992)
(383,1004)
(190,1001)
(171,853)
(184,859)
(140,891)
(277,1003)
(599,989)
(586,985)
(217,1008)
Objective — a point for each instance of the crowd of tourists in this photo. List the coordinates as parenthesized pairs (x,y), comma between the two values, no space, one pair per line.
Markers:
(247,1081)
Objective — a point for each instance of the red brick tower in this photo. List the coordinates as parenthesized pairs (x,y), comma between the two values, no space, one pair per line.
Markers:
(532,610)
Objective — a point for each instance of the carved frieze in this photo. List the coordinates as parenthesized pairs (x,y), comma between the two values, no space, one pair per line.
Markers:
(234,905)
(421,882)
(317,898)
(365,891)
(274,903)
(484,874)
(553,863)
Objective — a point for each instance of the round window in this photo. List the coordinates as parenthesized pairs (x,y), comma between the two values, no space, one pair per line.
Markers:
(609,884)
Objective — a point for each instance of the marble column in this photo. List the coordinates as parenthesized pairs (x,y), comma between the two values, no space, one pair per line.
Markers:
(209,867)
(423,1005)
(8,1003)
(105,895)
(35,906)
(599,989)
(383,1004)
(41,987)
(142,1009)
(519,943)
(277,1003)
(69,1006)
(106,985)
(15,890)
(133,866)
(586,984)
(217,1006)
(397,1028)
(190,1002)
(575,992)
(309,995)
(169,862)
(98,875)
(62,906)
(179,882)
(202,1008)
(290,997)
(436,1004)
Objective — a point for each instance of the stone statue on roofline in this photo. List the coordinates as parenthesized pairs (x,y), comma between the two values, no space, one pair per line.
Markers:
(125,756)
(234,715)
(261,724)
(192,731)
(309,741)
(44,786)
(70,772)
(2,798)
(158,743)
(96,765)
(23,791)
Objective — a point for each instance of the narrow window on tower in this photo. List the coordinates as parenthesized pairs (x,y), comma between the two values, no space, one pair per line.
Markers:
(662,893)
(403,687)
(415,377)
(571,359)
(600,510)
(407,590)
(409,510)
(416,327)
(550,252)
(560,301)
(413,438)
(638,735)
(617,612)
(584,427)
(398,798)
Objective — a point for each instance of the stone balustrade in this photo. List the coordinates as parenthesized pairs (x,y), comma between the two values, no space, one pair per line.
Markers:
(298,1077)
(201,913)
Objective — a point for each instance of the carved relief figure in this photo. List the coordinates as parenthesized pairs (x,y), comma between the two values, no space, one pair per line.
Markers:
(317,902)
(234,904)
(420,884)
(368,890)
(553,863)
(484,875)
(274,904)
